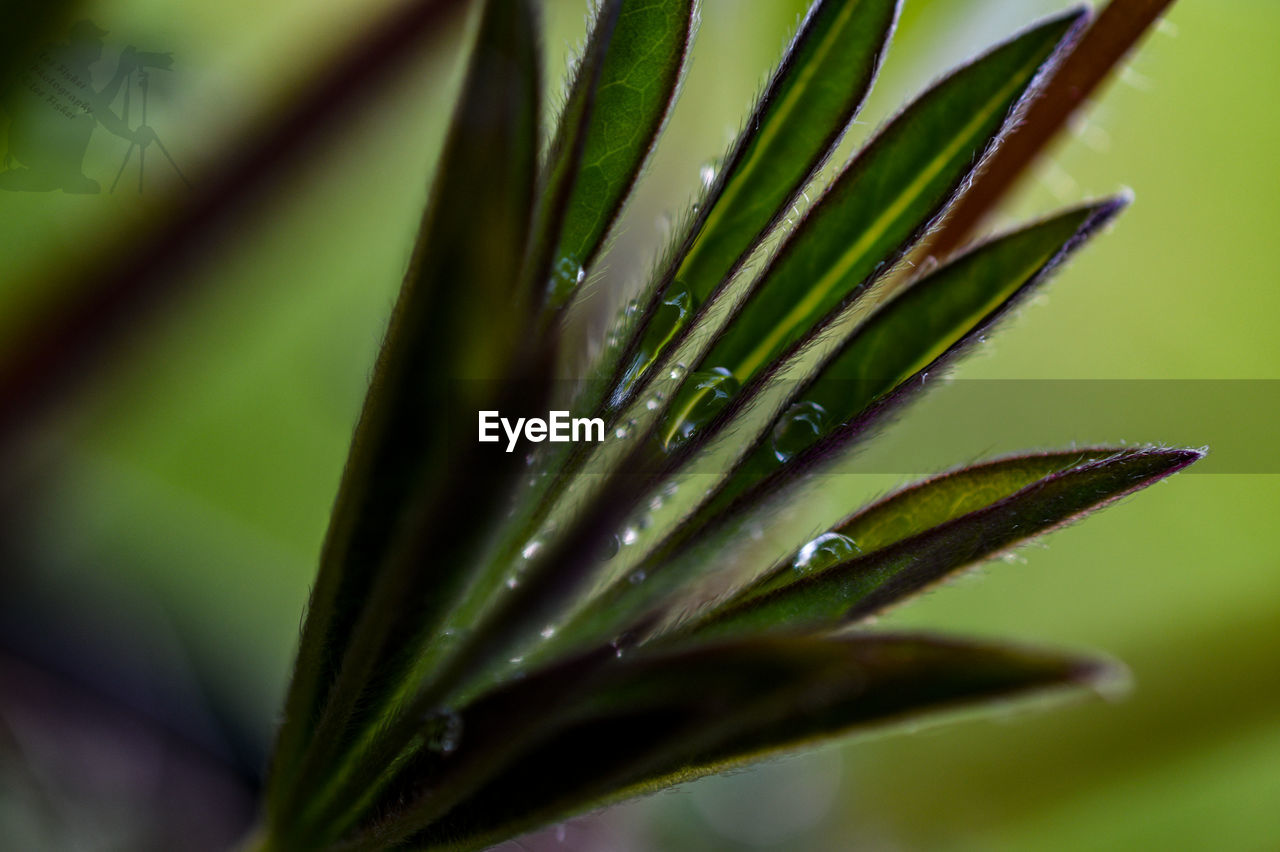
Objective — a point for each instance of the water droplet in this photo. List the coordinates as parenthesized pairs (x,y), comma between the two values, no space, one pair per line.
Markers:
(654,401)
(531,549)
(636,577)
(632,308)
(629,536)
(797,429)
(678,371)
(656,502)
(513,581)
(566,276)
(673,313)
(708,175)
(515,661)
(548,631)
(610,549)
(705,394)
(824,551)
(445,732)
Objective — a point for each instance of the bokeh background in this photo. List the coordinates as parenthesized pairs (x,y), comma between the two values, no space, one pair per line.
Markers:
(166,517)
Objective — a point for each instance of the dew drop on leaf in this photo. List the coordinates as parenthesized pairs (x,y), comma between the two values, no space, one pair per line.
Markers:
(797,429)
(673,313)
(531,549)
(445,732)
(566,276)
(824,551)
(610,548)
(636,577)
(708,175)
(705,395)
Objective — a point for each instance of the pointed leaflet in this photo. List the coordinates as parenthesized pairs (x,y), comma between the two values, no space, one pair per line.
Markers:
(662,718)
(884,198)
(915,328)
(441,337)
(814,93)
(907,336)
(1091,59)
(853,588)
(638,80)
(882,202)
(559,173)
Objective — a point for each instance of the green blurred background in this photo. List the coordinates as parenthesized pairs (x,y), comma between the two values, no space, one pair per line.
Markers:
(175,508)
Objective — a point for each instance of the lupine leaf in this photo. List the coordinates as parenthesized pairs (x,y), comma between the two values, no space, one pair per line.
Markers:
(945,115)
(912,330)
(853,588)
(926,321)
(815,92)
(433,360)
(666,718)
(559,174)
(638,81)
(1090,61)
(883,201)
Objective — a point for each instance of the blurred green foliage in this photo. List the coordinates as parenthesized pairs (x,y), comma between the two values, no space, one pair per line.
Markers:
(198,477)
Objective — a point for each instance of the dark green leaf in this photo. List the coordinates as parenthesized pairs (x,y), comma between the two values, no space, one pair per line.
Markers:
(661,719)
(815,92)
(560,173)
(940,531)
(1088,63)
(911,334)
(637,86)
(444,346)
(883,201)
(905,337)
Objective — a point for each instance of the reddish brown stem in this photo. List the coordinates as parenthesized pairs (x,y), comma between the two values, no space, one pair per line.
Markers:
(1103,46)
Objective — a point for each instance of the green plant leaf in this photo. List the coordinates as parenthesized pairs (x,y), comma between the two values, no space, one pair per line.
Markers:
(1086,65)
(815,92)
(943,526)
(559,174)
(665,718)
(913,333)
(879,206)
(813,95)
(445,346)
(637,84)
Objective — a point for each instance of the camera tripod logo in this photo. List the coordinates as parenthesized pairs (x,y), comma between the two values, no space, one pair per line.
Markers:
(54,109)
